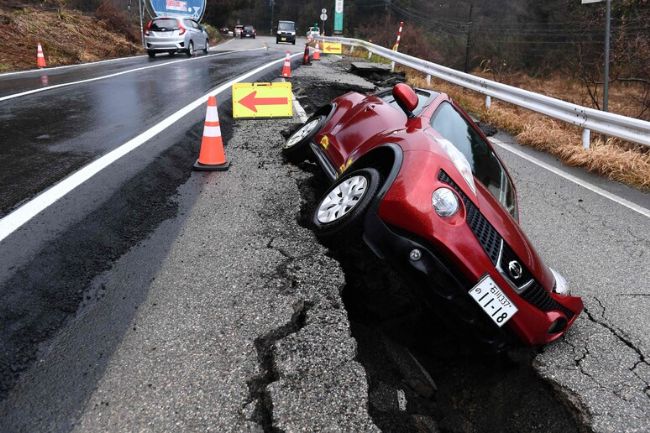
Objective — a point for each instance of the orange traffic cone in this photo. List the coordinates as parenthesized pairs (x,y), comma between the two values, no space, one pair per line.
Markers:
(305,57)
(316,55)
(286,68)
(212,156)
(40,58)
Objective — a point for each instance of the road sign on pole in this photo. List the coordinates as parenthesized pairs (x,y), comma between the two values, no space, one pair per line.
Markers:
(323,17)
(338,17)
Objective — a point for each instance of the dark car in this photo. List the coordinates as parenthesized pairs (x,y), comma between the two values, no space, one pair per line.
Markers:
(416,177)
(247,32)
(286,32)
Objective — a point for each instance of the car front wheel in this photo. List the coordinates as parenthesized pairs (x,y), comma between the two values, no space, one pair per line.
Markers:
(342,208)
(296,148)
(190,49)
(151,53)
(207,47)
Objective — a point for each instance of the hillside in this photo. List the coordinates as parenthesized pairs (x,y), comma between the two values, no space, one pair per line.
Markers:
(67,36)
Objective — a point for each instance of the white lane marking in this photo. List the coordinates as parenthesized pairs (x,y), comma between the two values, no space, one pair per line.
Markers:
(29,210)
(117,74)
(299,110)
(79,65)
(623,202)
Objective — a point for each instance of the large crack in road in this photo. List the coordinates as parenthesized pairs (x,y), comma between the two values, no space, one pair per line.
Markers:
(422,374)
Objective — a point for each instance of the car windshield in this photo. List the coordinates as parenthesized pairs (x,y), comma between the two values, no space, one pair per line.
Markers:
(286,26)
(162,24)
(248,28)
(486,167)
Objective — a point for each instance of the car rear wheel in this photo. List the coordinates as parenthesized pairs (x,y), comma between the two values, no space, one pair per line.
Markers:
(342,208)
(207,47)
(151,53)
(190,49)
(296,148)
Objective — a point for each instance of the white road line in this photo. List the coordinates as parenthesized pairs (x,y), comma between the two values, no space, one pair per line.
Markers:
(78,65)
(29,210)
(81,65)
(299,110)
(623,202)
(103,77)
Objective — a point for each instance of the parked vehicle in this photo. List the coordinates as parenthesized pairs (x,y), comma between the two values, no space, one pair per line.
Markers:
(247,32)
(286,32)
(172,35)
(416,177)
(225,31)
(238,29)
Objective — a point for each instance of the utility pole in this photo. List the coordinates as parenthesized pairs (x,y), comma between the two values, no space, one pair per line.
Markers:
(608,16)
(608,31)
(140,7)
(469,36)
(272,2)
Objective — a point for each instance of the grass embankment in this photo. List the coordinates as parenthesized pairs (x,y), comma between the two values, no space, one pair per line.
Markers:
(613,158)
(67,37)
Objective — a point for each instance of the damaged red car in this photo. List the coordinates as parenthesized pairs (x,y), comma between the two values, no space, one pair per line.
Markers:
(418,179)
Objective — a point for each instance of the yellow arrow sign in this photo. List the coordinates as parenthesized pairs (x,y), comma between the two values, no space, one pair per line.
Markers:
(332,48)
(263,100)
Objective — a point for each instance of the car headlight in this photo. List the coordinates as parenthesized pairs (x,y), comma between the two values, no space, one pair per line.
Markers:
(444,202)
(459,161)
(561,286)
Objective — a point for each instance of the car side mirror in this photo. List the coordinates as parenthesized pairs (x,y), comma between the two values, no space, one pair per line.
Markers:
(406,98)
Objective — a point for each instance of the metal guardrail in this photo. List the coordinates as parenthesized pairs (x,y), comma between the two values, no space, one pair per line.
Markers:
(615,125)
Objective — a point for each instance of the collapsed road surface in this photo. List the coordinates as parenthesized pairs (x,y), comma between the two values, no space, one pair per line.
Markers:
(155,300)
(597,378)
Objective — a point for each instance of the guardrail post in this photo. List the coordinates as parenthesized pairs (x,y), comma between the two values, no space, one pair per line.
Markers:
(586,138)
(488,102)
(428,80)
(392,66)
(369,54)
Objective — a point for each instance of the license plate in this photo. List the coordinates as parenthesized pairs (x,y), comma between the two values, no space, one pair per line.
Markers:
(493,301)
(283,39)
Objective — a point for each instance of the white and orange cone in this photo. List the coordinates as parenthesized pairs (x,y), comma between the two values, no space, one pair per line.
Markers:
(286,68)
(212,156)
(316,55)
(40,58)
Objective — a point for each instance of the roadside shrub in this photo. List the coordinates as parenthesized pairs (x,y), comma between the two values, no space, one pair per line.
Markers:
(213,33)
(117,20)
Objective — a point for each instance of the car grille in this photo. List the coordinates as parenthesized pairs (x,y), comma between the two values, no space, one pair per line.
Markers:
(540,298)
(491,242)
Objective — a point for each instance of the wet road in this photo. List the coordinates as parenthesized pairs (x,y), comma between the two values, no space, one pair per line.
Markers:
(47,263)
(49,134)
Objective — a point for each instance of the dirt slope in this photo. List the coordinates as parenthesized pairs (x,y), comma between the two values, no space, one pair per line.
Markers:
(67,37)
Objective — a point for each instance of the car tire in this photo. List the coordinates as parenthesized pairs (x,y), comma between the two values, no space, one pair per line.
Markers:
(341,210)
(277,41)
(151,53)
(190,49)
(207,47)
(296,148)
(294,42)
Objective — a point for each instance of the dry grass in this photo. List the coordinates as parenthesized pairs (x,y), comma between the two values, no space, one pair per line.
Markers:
(613,158)
(67,37)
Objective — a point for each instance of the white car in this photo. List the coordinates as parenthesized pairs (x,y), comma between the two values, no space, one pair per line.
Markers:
(172,35)
(313,31)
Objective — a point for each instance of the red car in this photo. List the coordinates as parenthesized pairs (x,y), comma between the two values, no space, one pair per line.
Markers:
(419,180)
